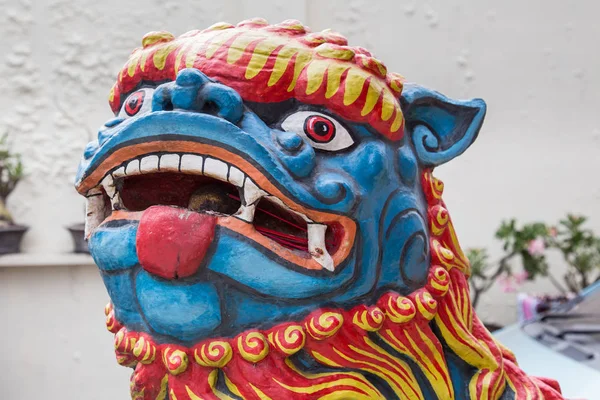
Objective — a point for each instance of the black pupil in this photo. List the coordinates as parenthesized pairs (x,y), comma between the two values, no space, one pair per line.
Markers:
(133,102)
(321,128)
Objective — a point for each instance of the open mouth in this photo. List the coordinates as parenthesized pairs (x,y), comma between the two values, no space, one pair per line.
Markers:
(209,185)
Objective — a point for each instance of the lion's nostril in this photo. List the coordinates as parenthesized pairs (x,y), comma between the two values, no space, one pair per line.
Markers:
(194,91)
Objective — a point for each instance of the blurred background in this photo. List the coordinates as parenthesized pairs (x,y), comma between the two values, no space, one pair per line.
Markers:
(535,63)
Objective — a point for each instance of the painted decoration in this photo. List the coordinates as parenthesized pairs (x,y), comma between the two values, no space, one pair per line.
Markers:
(264,216)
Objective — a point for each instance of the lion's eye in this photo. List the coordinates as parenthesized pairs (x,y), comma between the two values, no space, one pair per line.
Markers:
(322,131)
(138,102)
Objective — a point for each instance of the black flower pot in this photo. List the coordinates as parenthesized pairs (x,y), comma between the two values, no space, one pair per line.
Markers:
(10,238)
(78,234)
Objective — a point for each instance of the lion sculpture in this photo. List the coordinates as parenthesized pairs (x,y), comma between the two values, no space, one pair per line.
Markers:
(264,217)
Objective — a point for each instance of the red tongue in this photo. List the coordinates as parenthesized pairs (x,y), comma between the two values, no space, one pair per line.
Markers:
(172,242)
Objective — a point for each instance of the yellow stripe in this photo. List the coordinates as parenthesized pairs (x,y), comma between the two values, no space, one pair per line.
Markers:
(360,381)
(314,76)
(399,385)
(192,54)
(373,94)
(231,386)
(218,41)
(162,395)
(238,47)
(261,54)
(334,76)
(284,55)
(324,360)
(325,385)
(260,394)
(133,64)
(436,379)
(399,363)
(302,59)
(160,57)
(355,80)
(190,393)
(466,352)
(397,345)
(397,121)
(438,358)
(388,105)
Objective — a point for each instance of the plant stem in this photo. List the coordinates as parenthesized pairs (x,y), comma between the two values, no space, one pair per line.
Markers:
(501,268)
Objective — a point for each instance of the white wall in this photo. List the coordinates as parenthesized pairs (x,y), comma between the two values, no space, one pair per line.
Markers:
(536,64)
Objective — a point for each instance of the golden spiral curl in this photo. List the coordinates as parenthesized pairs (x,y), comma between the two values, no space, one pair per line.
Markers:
(439,218)
(124,343)
(213,354)
(368,318)
(287,338)
(324,324)
(438,281)
(175,360)
(112,324)
(426,304)
(437,186)
(108,308)
(253,346)
(442,255)
(144,350)
(398,309)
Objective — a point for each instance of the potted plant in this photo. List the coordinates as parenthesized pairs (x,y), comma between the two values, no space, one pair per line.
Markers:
(77,232)
(529,244)
(11,171)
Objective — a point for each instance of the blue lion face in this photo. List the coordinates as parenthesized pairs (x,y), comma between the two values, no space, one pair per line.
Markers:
(208,215)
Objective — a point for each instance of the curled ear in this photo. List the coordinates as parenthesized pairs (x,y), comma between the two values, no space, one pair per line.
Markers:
(441,128)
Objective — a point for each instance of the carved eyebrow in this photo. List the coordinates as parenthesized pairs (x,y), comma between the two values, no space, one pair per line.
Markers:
(271,113)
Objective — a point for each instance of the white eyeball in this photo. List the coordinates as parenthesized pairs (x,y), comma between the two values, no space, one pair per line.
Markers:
(137,103)
(322,131)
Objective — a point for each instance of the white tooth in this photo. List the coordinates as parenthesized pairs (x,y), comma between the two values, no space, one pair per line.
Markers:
(116,202)
(215,169)
(246,213)
(133,168)
(169,162)
(119,172)
(236,177)
(191,163)
(94,211)
(149,164)
(109,186)
(316,246)
(94,191)
(280,203)
(251,192)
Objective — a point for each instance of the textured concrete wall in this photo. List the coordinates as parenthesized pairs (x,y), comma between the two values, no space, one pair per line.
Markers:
(536,64)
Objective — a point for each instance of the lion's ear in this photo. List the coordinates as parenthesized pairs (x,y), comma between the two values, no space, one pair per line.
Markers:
(441,128)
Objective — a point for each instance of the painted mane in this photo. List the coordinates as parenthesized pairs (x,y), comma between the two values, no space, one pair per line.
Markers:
(263,61)
(387,340)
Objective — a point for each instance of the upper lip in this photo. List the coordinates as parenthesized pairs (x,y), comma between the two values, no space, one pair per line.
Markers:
(220,164)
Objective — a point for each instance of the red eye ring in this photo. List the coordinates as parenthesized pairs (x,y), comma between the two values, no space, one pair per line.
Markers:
(134,102)
(319,128)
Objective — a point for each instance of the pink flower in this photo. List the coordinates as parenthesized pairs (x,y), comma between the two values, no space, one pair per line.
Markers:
(536,247)
(552,231)
(520,277)
(506,283)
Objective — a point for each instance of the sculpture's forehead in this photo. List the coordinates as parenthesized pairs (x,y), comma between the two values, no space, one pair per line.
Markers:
(270,63)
